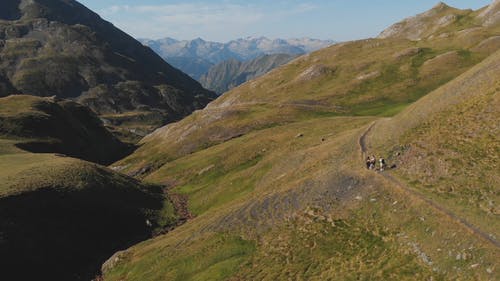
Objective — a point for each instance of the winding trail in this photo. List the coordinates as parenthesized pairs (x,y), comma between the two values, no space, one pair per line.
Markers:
(415,194)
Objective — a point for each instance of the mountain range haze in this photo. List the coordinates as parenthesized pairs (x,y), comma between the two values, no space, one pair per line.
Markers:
(195,57)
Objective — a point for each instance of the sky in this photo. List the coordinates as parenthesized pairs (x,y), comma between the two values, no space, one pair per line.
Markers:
(225,20)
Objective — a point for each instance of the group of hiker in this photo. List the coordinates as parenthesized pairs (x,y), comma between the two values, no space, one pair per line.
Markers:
(371,163)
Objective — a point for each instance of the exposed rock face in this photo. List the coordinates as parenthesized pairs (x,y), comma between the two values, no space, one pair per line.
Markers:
(59,47)
(491,15)
(440,16)
(232,73)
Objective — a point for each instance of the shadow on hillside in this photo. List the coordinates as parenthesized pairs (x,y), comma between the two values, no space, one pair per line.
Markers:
(115,153)
(67,235)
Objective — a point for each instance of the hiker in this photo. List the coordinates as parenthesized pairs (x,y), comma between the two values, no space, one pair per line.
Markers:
(382,164)
(368,163)
(373,161)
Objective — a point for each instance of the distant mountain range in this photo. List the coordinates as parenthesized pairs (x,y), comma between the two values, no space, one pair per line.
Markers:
(197,57)
(242,49)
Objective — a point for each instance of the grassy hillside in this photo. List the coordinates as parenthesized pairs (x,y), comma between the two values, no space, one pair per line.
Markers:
(302,208)
(374,77)
(449,144)
(48,125)
(274,174)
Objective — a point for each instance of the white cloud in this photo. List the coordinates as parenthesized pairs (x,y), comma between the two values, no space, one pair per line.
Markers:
(184,20)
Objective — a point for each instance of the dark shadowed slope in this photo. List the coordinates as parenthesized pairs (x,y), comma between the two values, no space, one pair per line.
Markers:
(47,125)
(60,218)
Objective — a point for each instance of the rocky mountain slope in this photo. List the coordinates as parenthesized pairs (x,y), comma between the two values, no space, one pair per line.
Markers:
(61,48)
(275,175)
(195,57)
(232,73)
(440,19)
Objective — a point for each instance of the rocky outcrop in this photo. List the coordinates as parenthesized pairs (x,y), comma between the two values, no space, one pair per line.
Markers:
(417,27)
(491,15)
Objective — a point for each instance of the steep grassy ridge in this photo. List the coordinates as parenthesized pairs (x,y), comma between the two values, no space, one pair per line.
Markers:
(449,144)
(285,207)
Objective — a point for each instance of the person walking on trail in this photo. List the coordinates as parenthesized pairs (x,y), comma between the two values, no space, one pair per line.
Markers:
(373,161)
(382,164)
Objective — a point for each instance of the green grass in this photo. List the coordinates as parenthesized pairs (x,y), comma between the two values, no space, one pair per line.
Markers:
(18,104)
(341,250)
(384,239)
(224,173)
(22,171)
(206,194)
(288,95)
(449,146)
(219,257)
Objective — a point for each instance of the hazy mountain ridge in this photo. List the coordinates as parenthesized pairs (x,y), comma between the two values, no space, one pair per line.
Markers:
(231,73)
(243,49)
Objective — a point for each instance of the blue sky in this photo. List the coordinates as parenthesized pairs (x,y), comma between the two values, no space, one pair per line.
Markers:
(223,20)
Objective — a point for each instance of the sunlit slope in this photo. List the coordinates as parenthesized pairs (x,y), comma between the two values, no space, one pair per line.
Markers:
(294,201)
(374,77)
(275,179)
(449,144)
